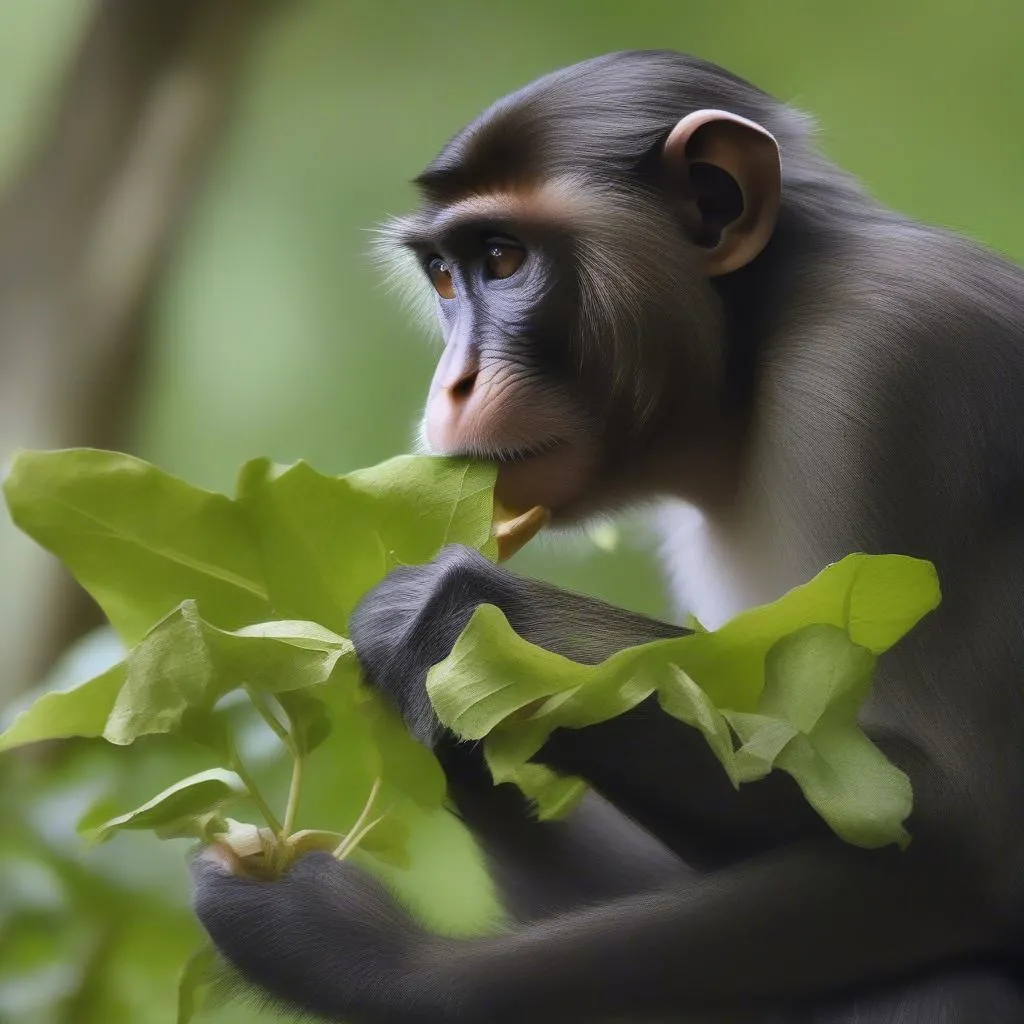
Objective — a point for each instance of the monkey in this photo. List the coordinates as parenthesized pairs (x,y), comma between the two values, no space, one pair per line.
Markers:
(654,292)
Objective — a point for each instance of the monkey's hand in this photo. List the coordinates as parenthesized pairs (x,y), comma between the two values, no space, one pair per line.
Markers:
(411,620)
(325,938)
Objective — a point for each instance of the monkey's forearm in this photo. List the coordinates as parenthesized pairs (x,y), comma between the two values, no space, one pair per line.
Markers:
(775,932)
(542,868)
(662,774)
(413,618)
(580,628)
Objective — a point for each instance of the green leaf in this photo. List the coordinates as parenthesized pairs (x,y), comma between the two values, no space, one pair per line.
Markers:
(138,540)
(170,682)
(788,692)
(325,541)
(302,634)
(82,710)
(308,717)
(388,840)
(553,795)
(816,681)
(402,761)
(197,975)
(296,544)
(422,504)
(366,742)
(492,673)
(813,671)
(190,798)
(185,665)
(319,546)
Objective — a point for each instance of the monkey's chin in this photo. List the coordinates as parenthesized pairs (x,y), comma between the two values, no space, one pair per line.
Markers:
(555,479)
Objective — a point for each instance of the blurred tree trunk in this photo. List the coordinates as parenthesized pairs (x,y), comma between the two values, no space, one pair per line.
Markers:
(84,233)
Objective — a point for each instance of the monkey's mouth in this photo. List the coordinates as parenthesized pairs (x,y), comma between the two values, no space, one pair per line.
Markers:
(551,473)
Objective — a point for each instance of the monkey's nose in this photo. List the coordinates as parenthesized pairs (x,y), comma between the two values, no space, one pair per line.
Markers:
(463,387)
(447,409)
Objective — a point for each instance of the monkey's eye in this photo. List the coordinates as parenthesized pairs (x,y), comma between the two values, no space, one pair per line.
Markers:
(504,257)
(441,278)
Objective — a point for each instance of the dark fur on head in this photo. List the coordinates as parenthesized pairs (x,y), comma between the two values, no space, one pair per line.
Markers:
(610,115)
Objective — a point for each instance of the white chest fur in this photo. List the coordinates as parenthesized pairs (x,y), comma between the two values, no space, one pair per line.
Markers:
(715,572)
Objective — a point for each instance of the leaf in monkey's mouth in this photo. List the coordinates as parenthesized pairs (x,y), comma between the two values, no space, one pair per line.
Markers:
(554,473)
(513,530)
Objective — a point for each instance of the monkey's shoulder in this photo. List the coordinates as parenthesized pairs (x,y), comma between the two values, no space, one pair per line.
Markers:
(932,291)
(900,315)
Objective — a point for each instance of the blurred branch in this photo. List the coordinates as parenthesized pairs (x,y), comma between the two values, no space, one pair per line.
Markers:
(84,233)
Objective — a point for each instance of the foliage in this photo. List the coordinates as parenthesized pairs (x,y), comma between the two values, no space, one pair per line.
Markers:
(182,574)
(197,585)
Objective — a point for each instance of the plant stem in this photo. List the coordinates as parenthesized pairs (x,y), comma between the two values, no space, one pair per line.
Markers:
(293,796)
(271,719)
(257,798)
(285,736)
(353,839)
(357,831)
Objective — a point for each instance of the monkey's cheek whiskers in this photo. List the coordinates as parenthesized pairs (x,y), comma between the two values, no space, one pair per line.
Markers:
(505,456)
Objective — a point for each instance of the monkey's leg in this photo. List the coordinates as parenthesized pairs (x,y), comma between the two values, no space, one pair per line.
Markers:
(597,855)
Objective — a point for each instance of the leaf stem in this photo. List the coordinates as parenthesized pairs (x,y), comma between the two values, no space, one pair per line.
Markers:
(359,828)
(257,798)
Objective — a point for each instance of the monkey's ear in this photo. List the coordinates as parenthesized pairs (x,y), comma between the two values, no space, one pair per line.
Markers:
(733,181)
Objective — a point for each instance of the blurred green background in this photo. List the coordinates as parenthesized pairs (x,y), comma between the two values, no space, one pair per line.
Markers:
(266,330)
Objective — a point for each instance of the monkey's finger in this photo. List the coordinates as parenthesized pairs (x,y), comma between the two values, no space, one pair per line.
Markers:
(217,858)
(513,532)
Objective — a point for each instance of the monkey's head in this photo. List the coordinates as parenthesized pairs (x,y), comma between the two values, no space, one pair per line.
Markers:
(568,244)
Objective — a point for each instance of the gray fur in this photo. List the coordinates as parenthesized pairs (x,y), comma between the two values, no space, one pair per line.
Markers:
(857,387)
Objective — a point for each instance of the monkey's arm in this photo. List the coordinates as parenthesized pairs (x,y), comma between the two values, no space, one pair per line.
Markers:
(806,920)
(658,770)
(540,868)
(410,622)
(779,930)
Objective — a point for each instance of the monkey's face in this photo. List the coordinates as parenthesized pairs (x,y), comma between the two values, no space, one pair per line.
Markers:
(578,330)
(507,384)
(584,341)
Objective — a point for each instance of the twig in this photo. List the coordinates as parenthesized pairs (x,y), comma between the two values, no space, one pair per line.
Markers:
(293,796)
(272,720)
(359,829)
(257,798)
